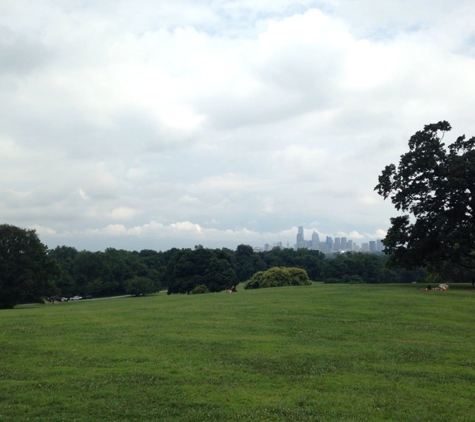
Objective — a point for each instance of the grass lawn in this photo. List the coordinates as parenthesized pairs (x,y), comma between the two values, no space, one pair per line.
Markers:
(316,353)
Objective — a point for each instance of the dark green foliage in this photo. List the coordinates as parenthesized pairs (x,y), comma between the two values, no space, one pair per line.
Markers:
(27,273)
(368,268)
(200,289)
(201,266)
(140,286)
(278,277)
(247,262)
(106,273)
(436,185)
(65,257)
(352,279)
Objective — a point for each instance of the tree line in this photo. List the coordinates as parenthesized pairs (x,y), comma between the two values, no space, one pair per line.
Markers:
(29,271)
(113,271)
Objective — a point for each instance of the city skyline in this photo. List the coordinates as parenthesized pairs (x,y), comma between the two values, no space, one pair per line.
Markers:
(337,244)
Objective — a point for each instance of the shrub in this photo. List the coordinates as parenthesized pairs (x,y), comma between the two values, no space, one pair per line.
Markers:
(352,279)
(200,290)
(278,277)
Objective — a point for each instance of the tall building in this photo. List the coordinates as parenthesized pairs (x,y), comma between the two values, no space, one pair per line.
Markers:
(350,245)
(329,244)
(337,244)
(315,241)
(300,239)
(372,246)
(344,244)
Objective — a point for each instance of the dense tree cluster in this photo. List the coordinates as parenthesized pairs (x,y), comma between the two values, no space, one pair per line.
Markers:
(367,268)
(27,273)
(109,273)
(211,268)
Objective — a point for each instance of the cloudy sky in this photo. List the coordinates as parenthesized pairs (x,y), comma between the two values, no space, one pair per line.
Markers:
(159,124)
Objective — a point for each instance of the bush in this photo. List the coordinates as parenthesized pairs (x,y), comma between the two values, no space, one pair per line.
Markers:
(278,277)
(200,290)
(332,280)
(352,279)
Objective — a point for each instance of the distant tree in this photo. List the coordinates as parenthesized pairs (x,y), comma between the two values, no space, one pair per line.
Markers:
(139,286)
(201,266)
(244,262)
(219,275)
(435,185)
(27,272)
(65,257)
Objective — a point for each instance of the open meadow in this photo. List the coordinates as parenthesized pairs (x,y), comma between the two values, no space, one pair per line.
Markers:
(313,353)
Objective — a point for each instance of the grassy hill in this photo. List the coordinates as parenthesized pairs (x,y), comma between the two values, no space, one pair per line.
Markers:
(310,353)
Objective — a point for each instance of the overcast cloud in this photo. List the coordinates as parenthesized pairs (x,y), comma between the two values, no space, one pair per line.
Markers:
(152,125)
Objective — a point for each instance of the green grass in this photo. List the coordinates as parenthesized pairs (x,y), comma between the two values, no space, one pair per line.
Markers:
(316,353)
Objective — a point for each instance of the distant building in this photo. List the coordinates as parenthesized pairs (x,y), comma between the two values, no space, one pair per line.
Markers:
(329,244)
(315,241)
(344,244)
(337,244)
(300,239)
(372,246)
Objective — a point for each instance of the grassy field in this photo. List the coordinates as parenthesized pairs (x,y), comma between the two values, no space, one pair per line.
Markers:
(316,353)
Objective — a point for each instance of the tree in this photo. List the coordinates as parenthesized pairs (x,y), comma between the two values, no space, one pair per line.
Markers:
(435,185)
(191,268)
(27,272)
(139,286)
(65,257)
(244,262)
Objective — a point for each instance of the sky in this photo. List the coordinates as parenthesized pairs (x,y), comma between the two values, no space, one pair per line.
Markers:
(159,124)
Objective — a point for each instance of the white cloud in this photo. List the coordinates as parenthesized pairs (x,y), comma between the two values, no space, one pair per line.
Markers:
(123,213)
(240,120)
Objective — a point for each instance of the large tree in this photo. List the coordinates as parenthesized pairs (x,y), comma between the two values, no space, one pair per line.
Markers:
(27,272)
(434,186)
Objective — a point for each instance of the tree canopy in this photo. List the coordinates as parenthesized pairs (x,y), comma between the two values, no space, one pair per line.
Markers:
(435,185)
(27,272)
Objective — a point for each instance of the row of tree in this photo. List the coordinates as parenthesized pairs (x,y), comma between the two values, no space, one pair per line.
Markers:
(29,271)
(112,272)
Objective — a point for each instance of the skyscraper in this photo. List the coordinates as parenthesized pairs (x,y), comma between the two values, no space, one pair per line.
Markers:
(300,239)
(337,244)
(315,241)
(344,244)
